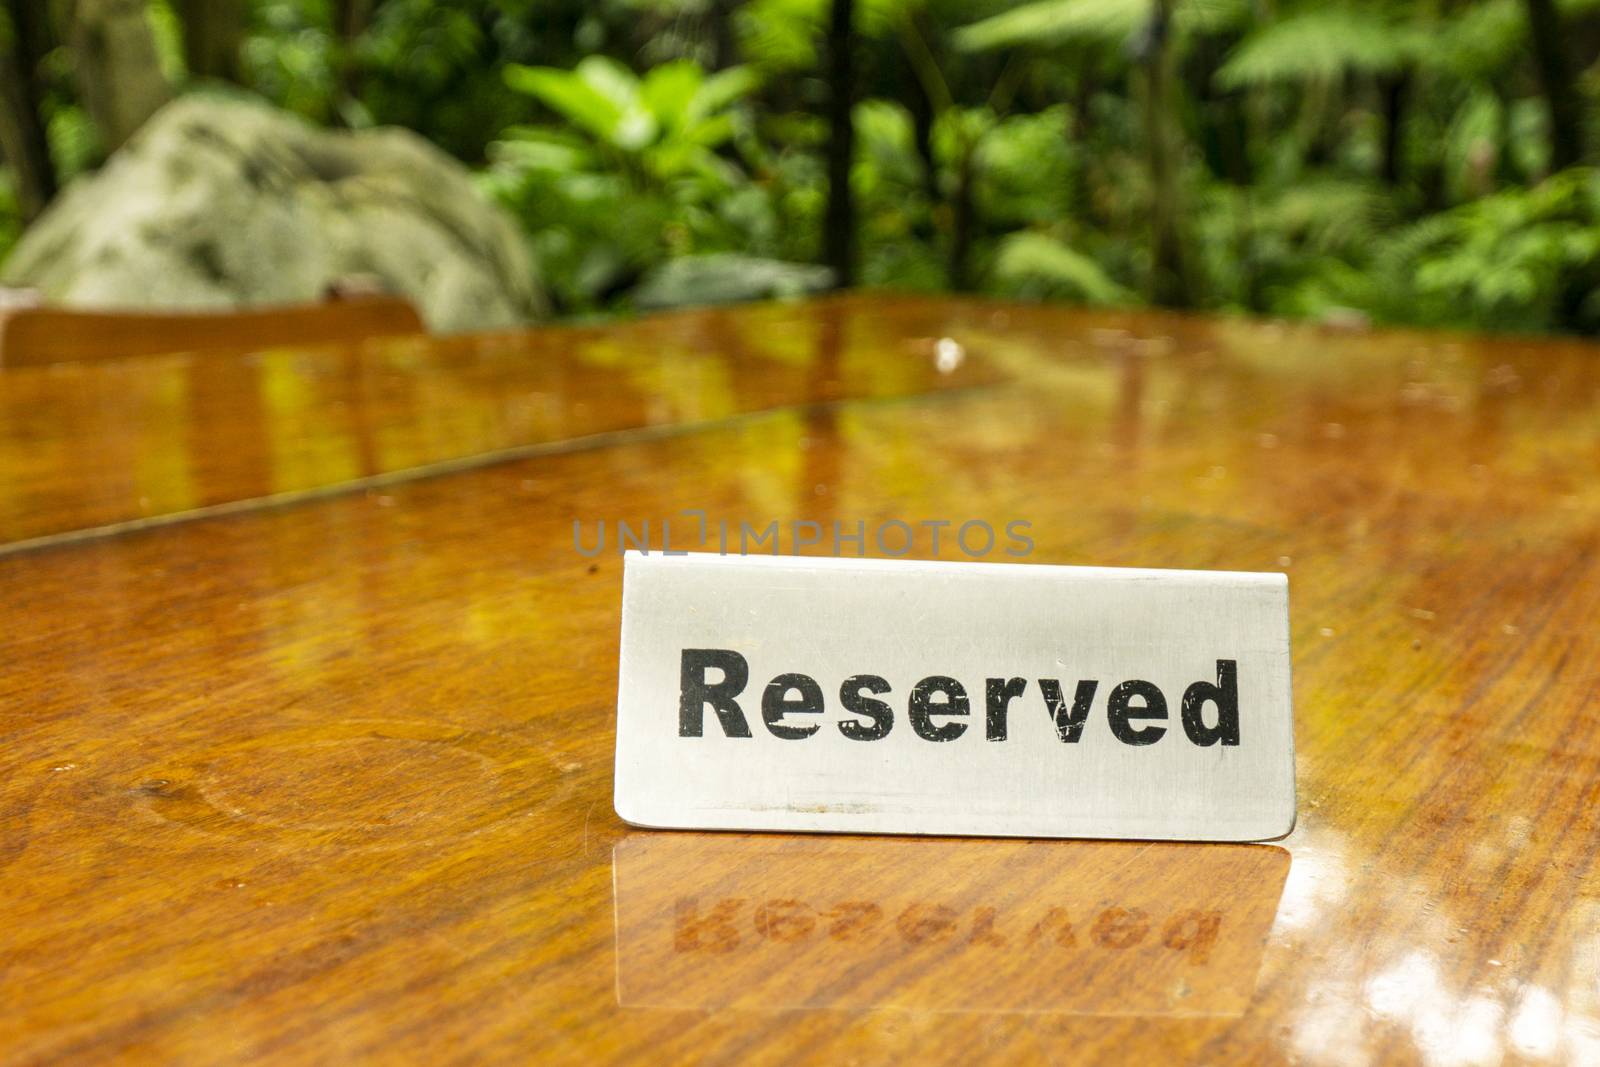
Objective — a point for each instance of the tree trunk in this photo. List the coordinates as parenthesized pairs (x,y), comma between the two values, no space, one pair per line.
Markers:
(350,19)
(923,113)
(119,75)
(213,36)
(34,28)
(1395,89)
(839,227)
(724,48)
(1222,128)
(962,221)
(1169,276)
(1506,171)
(23,142)
(1560,90)
(1080,131)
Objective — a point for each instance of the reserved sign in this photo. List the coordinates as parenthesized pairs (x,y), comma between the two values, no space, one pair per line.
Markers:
(890,696)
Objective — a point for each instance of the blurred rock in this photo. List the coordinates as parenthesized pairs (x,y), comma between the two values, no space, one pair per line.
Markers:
(221,201)
(727,278)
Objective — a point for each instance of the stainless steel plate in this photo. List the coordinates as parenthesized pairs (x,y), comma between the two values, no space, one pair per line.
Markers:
(886,696)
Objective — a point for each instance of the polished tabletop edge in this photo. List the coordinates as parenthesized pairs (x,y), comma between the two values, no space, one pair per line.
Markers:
(117,443)
(440,469)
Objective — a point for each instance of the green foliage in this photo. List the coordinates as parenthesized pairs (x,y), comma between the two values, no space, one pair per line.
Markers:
(1322,42)
(1272,251)
(292,56)
(1372,156)
(1036,265)
(781,36)
(1028,167)
(74,142)
(897,246)
(10,214)
(1521,259)
(784,35)
(166,29)
(1104,22)
(633,173)
(435,67)
(1480,41)
(1054,22)
(668,122)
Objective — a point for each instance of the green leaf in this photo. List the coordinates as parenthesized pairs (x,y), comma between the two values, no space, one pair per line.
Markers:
(1056,22)
(1321,43)
(610,79)
(781,35)
(540,153)
(668,91)
(722,89)
(570,96)
(1482,38)
(708,133)
(636,125)
(1037,260)
(1104,22)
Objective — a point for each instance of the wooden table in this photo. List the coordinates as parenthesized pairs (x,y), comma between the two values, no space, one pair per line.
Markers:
(307,697)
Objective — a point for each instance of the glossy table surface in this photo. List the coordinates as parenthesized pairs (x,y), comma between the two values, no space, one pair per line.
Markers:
(306,706)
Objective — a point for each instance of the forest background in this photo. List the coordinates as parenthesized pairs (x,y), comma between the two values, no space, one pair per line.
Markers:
(1425,162)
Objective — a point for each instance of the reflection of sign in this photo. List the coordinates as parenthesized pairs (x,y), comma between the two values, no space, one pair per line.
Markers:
(706,921)
(936,698)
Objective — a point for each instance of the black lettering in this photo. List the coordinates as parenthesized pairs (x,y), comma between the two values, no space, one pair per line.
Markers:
(694,692)
(776,703)
(881,714)
(998,695)
(1225,695)
(1069,721)
(1122,713)
(923,709)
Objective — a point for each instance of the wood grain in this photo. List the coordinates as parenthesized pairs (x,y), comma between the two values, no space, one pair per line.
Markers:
(332,781)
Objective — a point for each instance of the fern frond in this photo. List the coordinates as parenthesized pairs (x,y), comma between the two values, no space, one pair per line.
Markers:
(1032,261)
(1321,43)
(1056,22)
(1106,22)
